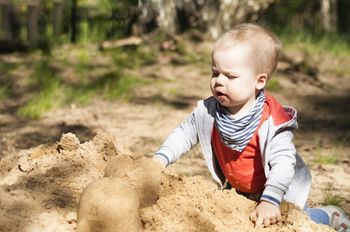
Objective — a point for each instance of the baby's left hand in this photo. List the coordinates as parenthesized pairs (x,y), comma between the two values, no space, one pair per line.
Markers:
(265,213)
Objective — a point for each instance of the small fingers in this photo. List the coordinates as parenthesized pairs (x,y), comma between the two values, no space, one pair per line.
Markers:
(253,216)
(279,218)
(267,222)
(273,221)
(259,222)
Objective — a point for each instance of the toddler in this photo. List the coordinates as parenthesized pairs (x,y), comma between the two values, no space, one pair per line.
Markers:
(245,134)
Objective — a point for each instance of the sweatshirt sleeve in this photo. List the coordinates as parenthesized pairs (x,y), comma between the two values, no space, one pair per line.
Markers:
(281,162)
(180,141)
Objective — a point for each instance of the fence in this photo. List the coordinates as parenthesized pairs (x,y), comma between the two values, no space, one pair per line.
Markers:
(25,22)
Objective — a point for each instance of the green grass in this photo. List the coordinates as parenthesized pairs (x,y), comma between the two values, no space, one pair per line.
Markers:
(54,94)
(120,88)
(113,85)
(4,91)
(47,98)
(341,72)
(133,57)
(6,67)
(184,55)
(328,156)
(315,42)
(48,88)
(332,199)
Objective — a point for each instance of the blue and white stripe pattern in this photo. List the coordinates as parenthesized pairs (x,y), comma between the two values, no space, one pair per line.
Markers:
(236,133)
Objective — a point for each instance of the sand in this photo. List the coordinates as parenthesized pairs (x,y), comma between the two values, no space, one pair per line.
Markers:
(40,190)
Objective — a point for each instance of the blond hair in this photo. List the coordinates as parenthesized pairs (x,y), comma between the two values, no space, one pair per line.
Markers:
(265,45)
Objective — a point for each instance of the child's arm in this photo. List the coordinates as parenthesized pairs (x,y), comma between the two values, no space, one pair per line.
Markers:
(281,162)
(181,140)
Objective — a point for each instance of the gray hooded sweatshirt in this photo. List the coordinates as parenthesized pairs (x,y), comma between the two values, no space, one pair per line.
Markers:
(288,177)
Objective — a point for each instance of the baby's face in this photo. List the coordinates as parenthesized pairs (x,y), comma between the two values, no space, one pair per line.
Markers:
(234,77)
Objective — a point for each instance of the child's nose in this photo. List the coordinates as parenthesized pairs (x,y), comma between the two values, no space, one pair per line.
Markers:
(220,79)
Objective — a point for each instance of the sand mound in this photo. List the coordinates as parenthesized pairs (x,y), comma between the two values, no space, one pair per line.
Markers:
(196,204)
(40,189)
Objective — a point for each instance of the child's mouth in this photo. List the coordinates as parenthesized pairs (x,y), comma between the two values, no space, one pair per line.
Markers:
(220,94)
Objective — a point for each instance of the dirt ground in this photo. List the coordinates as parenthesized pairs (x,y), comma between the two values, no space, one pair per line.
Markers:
(42,178)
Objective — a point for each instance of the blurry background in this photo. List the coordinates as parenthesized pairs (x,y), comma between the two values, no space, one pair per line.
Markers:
(27,24)
(60,35)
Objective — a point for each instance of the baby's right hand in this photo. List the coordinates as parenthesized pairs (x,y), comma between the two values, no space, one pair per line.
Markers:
(160,162)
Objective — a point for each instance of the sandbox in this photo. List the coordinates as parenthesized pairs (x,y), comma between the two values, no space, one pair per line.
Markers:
(40,190)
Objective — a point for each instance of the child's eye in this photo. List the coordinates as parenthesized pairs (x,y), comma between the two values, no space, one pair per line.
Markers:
(231,77)
(214,74)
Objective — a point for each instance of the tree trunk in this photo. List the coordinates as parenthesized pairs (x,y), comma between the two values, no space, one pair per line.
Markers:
(57,17)
(329,15)
(3,25)
(343,15)
(33,35)
(10,22)
(73,21)
(212,16)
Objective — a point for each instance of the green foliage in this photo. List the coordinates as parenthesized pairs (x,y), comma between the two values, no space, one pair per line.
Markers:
(4,91)
(107,6)
(315,42)
(338,71)
(84,32)
(273,85)
(48,91)
(186,54)
(85,81)
(159,36)
(42,102)
(327,159)
(113,85)
(103,20)
(53,93)
(281,11)
(332,199)
(328,156)
(132,57)
(5,84)
(6,67)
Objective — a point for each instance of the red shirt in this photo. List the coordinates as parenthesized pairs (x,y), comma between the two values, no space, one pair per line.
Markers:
(243,170)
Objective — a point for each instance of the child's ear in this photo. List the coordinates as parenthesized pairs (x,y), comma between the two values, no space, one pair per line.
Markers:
(261,81)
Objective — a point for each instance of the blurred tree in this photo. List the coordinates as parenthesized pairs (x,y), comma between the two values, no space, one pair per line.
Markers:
(57,17)
(298,14)
(73,21)
(49,21)
(343,8)
(212,16)
(10,21)
(33,35)
(329,15)
(313,15)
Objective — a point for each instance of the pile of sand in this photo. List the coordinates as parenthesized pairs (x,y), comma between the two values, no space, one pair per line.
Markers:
(196,204)
(40,190)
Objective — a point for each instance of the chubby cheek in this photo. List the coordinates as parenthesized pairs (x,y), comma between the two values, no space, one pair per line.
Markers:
(212,84)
